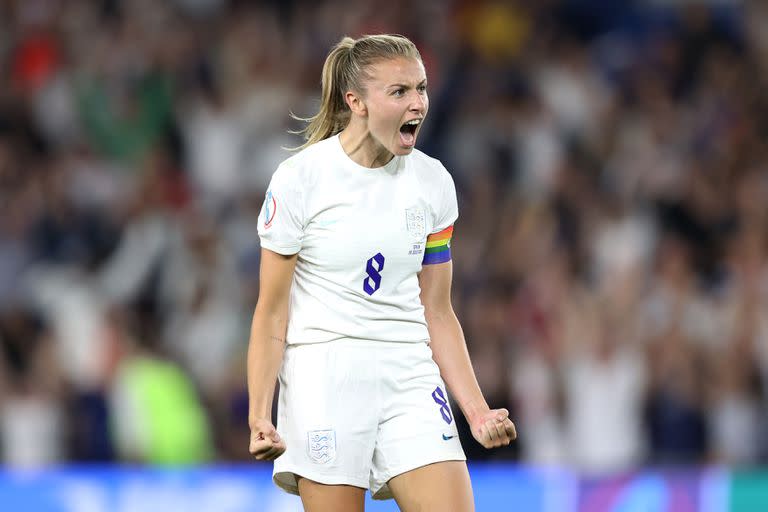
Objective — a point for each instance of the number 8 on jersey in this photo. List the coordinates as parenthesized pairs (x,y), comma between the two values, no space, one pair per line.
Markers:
(373,267)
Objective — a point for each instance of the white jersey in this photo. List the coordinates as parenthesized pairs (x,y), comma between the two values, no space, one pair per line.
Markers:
(360,235)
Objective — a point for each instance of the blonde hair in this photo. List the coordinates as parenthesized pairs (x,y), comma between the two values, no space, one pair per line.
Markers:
(345,70)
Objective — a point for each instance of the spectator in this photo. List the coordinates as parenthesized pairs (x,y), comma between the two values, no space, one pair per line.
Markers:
(611,248)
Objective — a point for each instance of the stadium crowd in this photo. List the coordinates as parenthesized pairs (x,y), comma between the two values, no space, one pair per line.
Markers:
(610,258)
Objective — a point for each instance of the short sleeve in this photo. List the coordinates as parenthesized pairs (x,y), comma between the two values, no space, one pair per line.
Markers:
(281,221)
(446,211)
(446,206)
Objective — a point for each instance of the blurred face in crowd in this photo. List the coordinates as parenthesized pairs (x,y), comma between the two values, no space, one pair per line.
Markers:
(395,104)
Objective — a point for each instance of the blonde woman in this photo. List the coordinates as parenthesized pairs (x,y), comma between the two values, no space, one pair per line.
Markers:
(354,308)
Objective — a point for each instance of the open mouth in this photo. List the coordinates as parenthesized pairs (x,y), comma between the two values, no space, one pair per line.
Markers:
(408,132)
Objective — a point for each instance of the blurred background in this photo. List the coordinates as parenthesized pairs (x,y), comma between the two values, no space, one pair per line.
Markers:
(611,255)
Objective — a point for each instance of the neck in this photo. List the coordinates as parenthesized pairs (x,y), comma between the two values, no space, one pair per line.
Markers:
(359,145)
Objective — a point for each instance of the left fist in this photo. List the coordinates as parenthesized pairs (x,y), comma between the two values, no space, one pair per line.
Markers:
(493,429)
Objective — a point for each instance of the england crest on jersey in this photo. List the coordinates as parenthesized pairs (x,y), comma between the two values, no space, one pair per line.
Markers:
(415,222)
(322,446)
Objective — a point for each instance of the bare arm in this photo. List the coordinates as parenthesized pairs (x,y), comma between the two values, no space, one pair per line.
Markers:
(265,351)
(491,427)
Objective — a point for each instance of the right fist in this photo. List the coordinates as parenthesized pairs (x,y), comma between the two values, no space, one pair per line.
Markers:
(266,443)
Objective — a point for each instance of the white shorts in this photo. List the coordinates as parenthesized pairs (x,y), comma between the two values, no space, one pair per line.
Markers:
(360,413)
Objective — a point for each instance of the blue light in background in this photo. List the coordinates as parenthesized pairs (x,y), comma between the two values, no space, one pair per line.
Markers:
(248,488)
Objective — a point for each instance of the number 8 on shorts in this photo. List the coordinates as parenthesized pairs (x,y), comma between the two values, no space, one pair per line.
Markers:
(439,397)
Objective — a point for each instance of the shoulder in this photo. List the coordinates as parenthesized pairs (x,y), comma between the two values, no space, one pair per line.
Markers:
(439,189)
(312,154)
(429,169)
(301,168)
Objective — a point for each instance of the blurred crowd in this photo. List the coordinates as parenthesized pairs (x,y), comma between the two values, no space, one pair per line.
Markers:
(610,259)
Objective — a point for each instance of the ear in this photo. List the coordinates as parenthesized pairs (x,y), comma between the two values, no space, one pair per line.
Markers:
(356,103)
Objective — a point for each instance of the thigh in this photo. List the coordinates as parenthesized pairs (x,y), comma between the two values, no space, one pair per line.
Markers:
(317,497)
(439,486)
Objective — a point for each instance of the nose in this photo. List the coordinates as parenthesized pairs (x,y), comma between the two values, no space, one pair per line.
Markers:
(419,103)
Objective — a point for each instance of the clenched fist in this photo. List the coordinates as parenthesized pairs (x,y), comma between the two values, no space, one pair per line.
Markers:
(266,443)
(494,428)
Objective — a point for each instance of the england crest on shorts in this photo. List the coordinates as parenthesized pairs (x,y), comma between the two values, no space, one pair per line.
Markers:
(321,446)
(415,223)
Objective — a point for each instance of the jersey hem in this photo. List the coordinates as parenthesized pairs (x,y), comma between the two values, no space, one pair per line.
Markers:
(356,339)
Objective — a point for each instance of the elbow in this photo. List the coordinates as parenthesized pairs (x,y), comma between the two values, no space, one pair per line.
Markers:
(436,316)
(268,307)
(272,316)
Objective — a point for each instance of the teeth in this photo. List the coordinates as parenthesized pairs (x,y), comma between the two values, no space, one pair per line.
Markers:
(413,122)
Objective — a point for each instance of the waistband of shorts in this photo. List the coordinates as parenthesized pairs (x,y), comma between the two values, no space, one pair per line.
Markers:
(359,342)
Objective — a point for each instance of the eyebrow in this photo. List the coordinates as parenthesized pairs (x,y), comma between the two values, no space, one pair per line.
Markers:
(406,85)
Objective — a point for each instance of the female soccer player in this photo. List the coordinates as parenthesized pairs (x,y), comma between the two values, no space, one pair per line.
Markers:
(354,306)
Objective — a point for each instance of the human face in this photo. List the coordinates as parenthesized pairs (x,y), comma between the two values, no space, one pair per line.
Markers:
(396,103)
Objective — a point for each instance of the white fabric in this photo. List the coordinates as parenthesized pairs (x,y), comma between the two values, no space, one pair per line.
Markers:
(359,413)
(734,423)
(30,432)
(338,215)
(605,399)
(74,308)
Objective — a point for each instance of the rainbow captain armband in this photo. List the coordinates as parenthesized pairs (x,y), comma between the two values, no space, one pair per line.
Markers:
(438,247)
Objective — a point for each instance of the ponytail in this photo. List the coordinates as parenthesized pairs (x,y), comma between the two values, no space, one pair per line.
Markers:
(343,71)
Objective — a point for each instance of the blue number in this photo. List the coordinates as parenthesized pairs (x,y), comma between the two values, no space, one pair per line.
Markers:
(374,265)
(445,411)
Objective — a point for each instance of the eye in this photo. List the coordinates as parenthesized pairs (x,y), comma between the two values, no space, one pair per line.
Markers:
(422,89)
(398,92)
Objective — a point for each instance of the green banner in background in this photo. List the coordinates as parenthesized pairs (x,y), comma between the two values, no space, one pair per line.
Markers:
(749,491)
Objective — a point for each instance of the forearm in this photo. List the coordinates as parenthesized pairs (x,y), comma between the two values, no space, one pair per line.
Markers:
(449,351)
(265,355)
